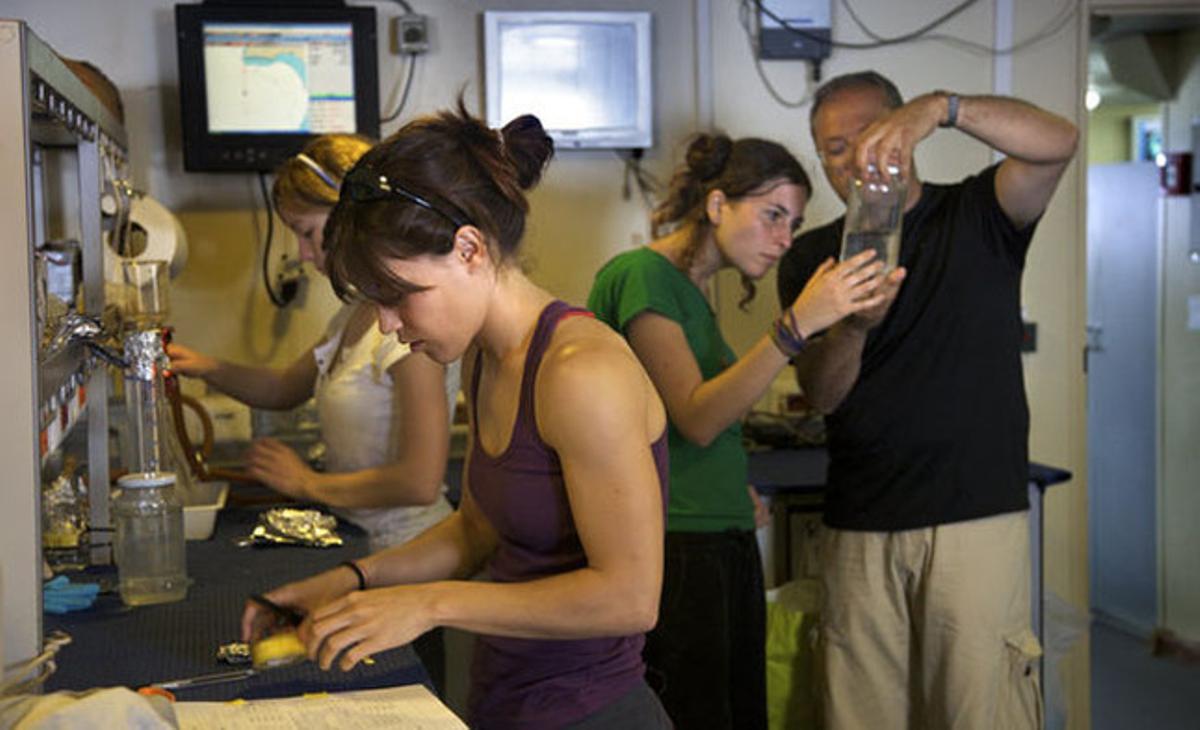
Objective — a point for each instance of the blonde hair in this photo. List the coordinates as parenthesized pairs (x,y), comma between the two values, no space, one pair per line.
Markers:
(300,187)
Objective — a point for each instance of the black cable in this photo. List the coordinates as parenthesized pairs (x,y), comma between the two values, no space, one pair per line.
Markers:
(412,65)
(266,275)
(906,37)
(744,19)
(402,3)
(1065,12)
(647,184)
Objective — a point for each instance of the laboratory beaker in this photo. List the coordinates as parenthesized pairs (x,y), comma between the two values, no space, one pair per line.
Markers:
(146,303)
(875,219)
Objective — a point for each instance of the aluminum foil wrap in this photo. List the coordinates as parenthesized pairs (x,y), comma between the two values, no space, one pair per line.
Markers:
(290,526)
(74,327)
(145,354)
(236,653)
(64,512)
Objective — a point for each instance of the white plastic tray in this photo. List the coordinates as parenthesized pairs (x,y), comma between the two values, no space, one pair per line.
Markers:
(199,519)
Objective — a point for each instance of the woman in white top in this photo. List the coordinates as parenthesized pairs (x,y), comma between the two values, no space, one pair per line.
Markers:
(384,410)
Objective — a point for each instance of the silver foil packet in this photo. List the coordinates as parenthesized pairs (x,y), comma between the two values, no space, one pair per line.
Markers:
(290,526)
(236,653)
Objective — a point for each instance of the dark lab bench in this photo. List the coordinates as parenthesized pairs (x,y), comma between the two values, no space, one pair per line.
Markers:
(794,481)
(113,644)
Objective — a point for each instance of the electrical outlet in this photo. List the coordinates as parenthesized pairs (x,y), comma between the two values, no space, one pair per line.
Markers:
(410,34)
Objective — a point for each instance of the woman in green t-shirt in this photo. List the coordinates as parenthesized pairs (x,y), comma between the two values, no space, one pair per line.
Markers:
(734,204)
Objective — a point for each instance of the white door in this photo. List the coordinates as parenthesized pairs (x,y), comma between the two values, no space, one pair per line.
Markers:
(1123,294)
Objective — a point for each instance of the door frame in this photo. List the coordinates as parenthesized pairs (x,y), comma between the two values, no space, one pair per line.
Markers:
(1088,9)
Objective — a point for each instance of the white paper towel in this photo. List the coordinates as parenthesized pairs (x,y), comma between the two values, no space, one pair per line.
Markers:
(165,239)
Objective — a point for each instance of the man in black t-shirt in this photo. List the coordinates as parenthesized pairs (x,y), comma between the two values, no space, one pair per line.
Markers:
(925,559)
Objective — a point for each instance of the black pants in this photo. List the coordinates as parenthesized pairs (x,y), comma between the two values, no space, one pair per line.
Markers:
(706,659)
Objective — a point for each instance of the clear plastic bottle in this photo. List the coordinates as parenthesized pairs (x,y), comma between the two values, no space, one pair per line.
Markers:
(874,219)
(149,547)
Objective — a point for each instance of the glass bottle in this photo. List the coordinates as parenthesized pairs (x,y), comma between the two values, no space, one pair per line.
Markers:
(149,546)
(875,219)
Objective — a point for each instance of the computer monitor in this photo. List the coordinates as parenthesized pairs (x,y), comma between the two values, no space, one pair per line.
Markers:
(585,75)
(256,82)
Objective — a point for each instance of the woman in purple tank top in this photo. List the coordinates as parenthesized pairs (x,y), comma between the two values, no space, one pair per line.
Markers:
(565,483)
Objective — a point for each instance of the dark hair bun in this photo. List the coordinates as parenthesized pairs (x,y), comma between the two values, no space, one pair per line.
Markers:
(707,155)
(528,147)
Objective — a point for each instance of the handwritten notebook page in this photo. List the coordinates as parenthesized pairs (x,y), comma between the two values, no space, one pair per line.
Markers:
(412,707)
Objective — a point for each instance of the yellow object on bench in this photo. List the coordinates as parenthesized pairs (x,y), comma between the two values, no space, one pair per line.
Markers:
(277,650)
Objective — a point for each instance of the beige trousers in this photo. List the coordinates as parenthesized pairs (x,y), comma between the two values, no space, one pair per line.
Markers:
(929,629)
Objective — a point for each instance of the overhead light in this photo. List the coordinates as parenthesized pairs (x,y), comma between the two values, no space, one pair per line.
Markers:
(1091,99)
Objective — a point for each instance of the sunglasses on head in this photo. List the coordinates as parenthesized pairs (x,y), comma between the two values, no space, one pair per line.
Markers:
(364,185)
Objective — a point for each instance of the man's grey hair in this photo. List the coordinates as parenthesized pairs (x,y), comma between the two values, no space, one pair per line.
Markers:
(856,80)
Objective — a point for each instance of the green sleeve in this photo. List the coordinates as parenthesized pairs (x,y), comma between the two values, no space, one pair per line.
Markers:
(633,283)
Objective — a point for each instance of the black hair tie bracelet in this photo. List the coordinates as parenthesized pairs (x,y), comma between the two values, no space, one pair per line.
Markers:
(362,577)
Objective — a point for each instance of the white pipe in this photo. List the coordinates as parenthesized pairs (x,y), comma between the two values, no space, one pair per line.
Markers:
(705,116)
(1002,65)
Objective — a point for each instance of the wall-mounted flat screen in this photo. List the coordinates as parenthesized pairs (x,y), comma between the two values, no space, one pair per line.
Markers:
(586,75)
(256,83)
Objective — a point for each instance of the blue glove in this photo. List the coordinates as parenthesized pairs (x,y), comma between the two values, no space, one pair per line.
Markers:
(60,595)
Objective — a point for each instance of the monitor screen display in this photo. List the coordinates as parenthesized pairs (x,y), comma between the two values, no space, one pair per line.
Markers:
(258,81)
(585,75)
(279,77)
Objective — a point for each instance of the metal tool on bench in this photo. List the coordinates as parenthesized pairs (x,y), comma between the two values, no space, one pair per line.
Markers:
(272,652)
(278,650)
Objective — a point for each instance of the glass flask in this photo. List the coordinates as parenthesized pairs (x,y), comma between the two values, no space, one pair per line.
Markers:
(152,443)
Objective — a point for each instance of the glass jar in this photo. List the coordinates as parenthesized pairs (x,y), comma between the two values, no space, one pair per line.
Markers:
(149,546)
(65,516)
(874,220)
(65,520)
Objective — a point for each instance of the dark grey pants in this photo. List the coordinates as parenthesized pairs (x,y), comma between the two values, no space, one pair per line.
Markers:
(637,709)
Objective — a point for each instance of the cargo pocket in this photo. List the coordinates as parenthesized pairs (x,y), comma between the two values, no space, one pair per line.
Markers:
(1021,703)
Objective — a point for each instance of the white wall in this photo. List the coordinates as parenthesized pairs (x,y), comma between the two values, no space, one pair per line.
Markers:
(579,217)
(1180,377)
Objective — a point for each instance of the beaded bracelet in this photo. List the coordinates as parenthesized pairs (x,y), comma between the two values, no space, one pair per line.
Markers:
(786,336)
(362,576)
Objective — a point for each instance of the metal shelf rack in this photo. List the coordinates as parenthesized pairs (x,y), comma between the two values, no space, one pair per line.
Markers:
(58,137)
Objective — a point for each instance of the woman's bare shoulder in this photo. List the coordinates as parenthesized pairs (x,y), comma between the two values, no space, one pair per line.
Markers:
(590,372)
